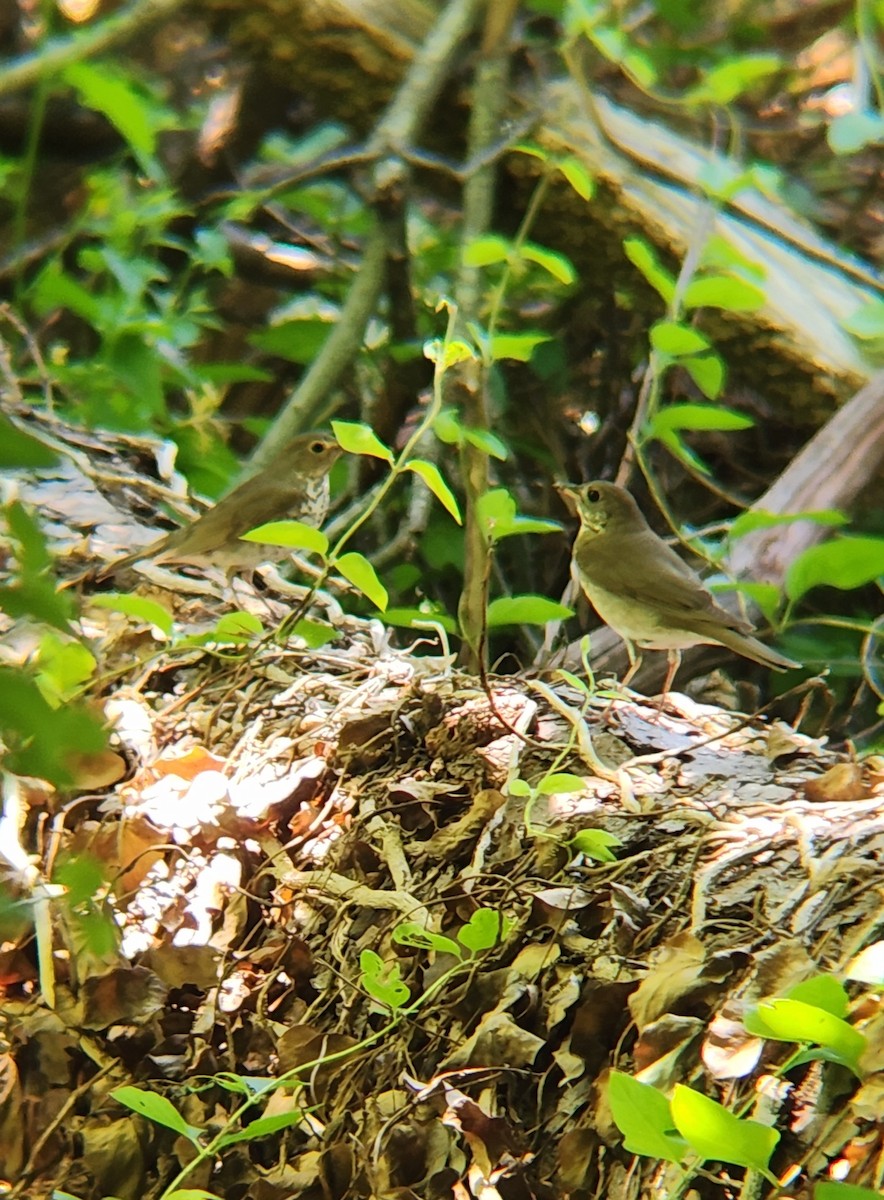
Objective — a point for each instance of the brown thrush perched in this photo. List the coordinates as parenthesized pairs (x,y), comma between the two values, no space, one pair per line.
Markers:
(293,484)
(640,587)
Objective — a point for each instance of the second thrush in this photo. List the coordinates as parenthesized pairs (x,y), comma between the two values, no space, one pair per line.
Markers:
(294,484)
(640,587)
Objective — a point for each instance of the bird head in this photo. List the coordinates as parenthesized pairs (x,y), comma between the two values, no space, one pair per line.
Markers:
(312,455)
(602,507)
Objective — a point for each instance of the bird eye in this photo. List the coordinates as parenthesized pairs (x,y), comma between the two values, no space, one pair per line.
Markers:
(317,447)
(593,495)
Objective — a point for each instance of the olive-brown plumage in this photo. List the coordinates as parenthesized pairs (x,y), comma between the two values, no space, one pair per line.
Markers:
(641,588)
(294,484)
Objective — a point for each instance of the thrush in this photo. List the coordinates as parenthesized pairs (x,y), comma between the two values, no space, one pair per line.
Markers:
(641,588)
(293,484)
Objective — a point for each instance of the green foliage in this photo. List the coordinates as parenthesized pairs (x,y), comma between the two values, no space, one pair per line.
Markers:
(358,570)
(137,116)
(832,1190)
(846,563)
(793,1020)
(40,738)
(41,726)
(644,1117)
(19,449)
(449,429)
(498,516)
(84,880)
(141,608)
(158,1109)
(63,666)
(667,424)
(688,1124)
(596,844)
(525,610)
(382,981)
(33,591)
(485,929)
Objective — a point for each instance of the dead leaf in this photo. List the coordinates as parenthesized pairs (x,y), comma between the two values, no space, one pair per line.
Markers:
(124,996)
(842,782)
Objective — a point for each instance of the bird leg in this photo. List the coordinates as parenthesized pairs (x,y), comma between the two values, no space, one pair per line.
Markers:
(673,658)
(635,661)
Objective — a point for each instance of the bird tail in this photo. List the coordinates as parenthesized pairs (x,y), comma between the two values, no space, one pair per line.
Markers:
(120,564)
(750,647)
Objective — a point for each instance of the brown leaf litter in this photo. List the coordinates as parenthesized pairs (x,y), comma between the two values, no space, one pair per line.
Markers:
(285,810)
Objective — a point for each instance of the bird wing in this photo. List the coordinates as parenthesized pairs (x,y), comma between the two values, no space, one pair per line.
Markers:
(644,568)
(234,515)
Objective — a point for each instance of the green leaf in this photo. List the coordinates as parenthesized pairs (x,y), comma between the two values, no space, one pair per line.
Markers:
(578,176)
(766,596)
(191,1194)
(417,618)
(383,982)
(447,427)
(641,67)
(314,633)
(733,77)
(695,416)
(641,255)
(723,291)
(485,929)
(677,340)
(294,535)
(41,738)
(410,933)
(558,265)
(682,451)
(138,607)
(784,1020)
(157,1109)
(63,665)
(518,787)
(852,131)
(867,322)
(237,627)
(19,449)
(707,372)
(432,477)
(517,346)
(713,1132)
(487,250)
(357,438)
(532,150)
(485,440)
(832,1190)
(358,570)
(561,783)
(759,518)
(525,610)
(724,256)
(575,681)
(643,1116)
(721,179)
(107,90)
(496,512)
(262,1127)
(33,591)
(845,563)
(595,844)
(53,288)
(299,340)
(822,991)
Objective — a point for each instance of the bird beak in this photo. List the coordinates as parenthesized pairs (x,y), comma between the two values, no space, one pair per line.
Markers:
(568,493)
